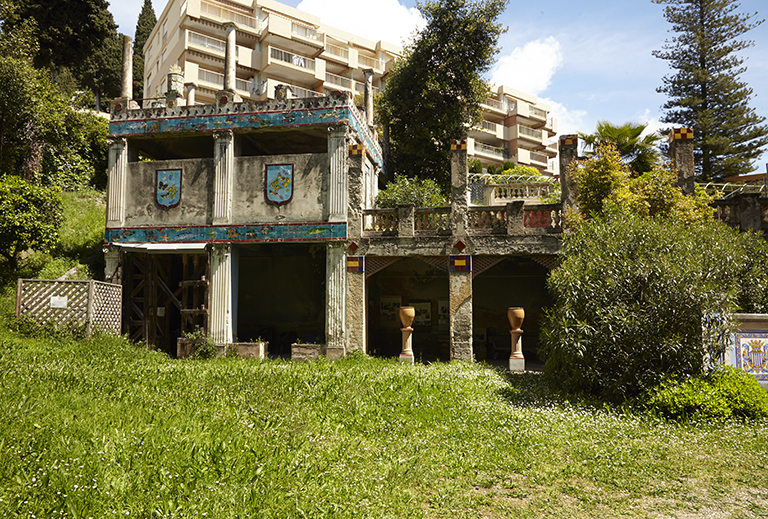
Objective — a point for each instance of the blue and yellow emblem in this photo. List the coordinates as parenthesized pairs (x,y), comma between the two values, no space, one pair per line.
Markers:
(168,187)
(278,185)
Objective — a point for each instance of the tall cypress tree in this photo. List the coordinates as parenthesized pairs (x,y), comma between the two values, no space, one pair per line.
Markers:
(144,26)
(705,92)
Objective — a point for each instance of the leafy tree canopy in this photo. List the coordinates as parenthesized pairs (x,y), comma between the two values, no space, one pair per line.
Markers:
(604,182)
(704,91)
(30,217)
(435,90)
(411,191)
(637,150)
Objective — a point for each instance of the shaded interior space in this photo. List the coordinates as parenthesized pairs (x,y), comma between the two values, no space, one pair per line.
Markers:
(289,141)
(197,146)
(515,281)
(164,296)
(409,282)
(281,295)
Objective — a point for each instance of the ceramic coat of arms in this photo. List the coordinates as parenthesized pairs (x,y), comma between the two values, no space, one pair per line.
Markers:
(168,187)
(278,185)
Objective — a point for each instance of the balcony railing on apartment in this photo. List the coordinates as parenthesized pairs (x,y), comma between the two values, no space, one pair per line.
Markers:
(343,82)
(537,112)
(304,92)
(490,150)
(294,59)
(217,78)
(487,125)
(335,50)
(305,31)
(530,132)
(367,61)
(206,41)
(229,15)
(360,87)
(539,157)
(493,103)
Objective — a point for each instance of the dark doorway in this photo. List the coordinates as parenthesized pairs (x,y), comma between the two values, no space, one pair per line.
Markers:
(281,295)
(410,282)
(514,281)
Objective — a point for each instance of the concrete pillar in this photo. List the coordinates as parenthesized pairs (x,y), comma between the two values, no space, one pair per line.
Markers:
(405,217)
(368,72)
(460,303)
(112,264)
(681,154)
(337,184)
(126,86)
(569,149)
(357,339)
(459,188)
(336,300)
(220,299)
(224,160)
(118,173)
(356,191)
(515,218)
(230,57)
(191,89)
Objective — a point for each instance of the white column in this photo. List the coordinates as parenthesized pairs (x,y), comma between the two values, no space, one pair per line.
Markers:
(220,299)
(230,57)
(336,300)
(126,86)
(337,189)
(118,166)
(224,158)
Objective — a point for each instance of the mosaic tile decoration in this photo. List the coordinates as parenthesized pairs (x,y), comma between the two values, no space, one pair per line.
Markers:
(459,145)
(357,149)
(355,263)
(569,140)
(751,353)
(460,263)
(168,187)
(681,133)
(267,232)
(278,186)
(263,119)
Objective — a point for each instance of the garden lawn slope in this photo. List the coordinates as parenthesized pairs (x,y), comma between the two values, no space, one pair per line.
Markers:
(103,429)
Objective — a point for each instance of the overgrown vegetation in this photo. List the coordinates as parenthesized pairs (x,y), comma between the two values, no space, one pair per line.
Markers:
(417,192)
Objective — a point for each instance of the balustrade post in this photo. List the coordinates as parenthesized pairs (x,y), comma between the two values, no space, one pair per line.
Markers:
(515,212)
(405,220)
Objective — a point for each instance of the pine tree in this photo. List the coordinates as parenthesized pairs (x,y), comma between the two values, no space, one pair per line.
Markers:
(705,93)
(144,26)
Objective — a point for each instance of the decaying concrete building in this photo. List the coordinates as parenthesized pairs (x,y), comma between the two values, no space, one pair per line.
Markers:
(255,219)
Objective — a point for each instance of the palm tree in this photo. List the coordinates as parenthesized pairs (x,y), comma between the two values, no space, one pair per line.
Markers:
(638,151)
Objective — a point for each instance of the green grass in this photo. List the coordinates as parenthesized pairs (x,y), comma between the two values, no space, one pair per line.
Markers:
(101,428)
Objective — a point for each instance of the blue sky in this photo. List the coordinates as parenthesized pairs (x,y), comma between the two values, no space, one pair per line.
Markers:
(590,60)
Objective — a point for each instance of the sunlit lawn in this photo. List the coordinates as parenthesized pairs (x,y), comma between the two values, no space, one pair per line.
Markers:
(105,429)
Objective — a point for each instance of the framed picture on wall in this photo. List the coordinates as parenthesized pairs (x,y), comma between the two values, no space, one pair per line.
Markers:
(443,315)
(423,313)
(389,311)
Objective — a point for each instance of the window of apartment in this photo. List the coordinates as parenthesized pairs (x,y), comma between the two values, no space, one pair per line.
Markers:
(149,54)
(162,59)
(165,30)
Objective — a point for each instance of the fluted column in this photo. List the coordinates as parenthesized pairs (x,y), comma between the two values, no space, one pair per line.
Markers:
(118,172)
(220,299)
(335,300)
(224,159)
(337,188)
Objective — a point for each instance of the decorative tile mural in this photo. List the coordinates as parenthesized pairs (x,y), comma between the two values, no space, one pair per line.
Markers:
(278,186)
(207,122)
(460,263)
(751,353)
(355,263)
(168,187)
(268,232)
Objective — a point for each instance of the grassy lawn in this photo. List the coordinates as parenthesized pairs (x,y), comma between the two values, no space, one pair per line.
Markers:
(101,428)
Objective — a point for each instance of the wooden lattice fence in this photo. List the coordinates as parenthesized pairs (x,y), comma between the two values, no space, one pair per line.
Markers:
(94,305)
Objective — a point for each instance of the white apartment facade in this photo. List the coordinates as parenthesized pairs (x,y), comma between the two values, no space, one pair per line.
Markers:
(280,45)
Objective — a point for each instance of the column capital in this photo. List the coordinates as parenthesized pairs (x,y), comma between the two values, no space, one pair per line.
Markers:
(221,135)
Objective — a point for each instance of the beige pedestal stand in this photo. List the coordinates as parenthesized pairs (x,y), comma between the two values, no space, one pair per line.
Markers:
(407,314)
(515,315)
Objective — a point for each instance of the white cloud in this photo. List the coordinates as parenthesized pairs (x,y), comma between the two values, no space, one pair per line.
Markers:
(569,122)
(529,68)
(375,20)
(653,125)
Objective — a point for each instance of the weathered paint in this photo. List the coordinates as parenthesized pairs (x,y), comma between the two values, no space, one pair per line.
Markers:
(258,233)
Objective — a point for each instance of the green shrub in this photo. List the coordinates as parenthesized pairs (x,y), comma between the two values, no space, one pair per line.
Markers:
(411,191)
(203,346)
(475,166)
(508,164)
(629,299)
(725,393)
(491,169)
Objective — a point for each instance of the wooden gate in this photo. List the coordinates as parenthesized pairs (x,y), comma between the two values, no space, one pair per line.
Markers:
(166,295)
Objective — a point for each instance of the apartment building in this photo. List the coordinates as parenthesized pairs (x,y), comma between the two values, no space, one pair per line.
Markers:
(280,45)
